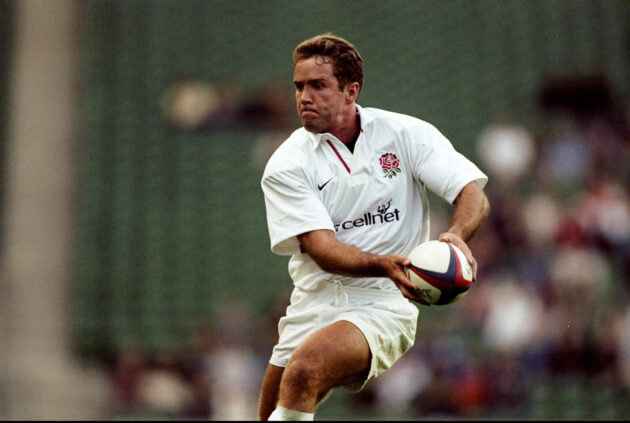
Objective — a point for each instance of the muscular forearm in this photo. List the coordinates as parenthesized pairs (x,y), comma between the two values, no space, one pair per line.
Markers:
(472,208)
(338,258)
(343,259)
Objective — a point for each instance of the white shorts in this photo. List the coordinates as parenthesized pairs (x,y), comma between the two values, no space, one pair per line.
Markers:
(387,319)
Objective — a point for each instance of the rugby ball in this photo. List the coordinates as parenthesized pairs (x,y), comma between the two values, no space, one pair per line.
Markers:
(441,272)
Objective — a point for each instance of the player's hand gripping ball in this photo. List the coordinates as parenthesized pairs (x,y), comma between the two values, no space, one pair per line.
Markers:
(441,272)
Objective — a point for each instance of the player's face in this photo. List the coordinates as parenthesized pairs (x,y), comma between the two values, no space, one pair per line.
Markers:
(319,101)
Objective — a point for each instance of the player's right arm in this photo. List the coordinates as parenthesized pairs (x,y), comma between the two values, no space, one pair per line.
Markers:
(343,259)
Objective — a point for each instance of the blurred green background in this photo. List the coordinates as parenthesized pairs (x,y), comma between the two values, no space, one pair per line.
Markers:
(173,223)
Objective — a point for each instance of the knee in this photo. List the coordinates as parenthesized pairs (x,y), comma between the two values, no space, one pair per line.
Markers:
(305,375)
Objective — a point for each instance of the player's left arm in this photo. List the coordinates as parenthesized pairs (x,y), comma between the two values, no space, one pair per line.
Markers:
(471,210)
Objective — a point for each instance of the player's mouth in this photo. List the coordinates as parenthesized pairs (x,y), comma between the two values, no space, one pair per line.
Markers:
(307,112)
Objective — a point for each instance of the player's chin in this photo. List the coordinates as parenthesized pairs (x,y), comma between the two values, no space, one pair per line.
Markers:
(312,125)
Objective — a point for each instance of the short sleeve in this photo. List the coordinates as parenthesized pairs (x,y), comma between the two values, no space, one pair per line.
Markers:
(293,208)
(439,166)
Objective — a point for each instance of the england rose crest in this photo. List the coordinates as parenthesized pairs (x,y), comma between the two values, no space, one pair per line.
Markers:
(389,162)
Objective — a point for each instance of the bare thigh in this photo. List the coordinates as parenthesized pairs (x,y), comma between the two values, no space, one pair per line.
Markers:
(333,356)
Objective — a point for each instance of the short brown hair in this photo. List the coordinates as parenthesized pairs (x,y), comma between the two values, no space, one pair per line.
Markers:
(344,56)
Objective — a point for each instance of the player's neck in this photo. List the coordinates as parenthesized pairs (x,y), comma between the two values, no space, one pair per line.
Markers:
(350,127)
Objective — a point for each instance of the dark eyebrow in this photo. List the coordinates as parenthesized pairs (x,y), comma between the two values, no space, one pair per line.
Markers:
(311,81)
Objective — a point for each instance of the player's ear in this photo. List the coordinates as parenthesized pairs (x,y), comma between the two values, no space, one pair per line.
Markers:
(352,91)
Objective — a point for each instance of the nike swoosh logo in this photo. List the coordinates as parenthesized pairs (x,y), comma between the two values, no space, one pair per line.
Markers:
(321,187)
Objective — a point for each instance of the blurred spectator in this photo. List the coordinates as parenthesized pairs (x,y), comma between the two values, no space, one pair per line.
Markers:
(192,104)
(164,392)
(126,377)
(513,317)
(565,156)
(470,390)
(541,215)
(621,330)
(507,151)
(231,364)
(436,401)
(399,387)
(199,405)
(603,214)
(158,387)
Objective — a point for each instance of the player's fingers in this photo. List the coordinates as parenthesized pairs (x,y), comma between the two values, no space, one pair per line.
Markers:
(401,261)
(471,261)
(469,257)
(399,276)
(456,241)
(403,280)
(459,243)
(409,289)
(473,265)
(413,294)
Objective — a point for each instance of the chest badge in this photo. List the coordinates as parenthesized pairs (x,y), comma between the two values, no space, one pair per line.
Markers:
(389,162)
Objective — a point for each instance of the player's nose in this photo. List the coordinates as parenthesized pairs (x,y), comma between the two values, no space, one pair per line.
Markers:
(305,96)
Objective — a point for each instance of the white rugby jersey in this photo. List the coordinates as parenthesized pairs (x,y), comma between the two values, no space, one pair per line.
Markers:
(374,198)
